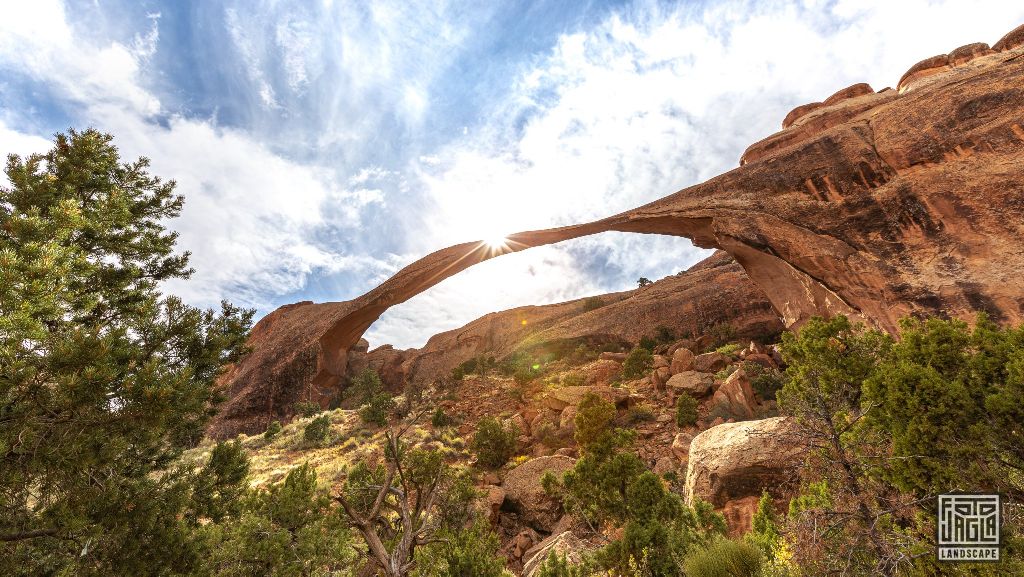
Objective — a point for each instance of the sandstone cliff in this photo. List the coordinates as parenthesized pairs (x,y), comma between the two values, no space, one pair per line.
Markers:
(876,205)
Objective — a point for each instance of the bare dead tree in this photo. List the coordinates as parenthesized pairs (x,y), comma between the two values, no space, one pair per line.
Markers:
(401,516)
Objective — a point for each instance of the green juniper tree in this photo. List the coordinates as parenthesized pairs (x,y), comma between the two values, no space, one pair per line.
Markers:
(891,424)
(103,379)
(290,529)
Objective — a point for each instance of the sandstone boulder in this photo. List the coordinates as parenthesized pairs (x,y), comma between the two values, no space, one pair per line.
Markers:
(682,344)
(1013,39)
(660,376)
(493,497)
(735,397)
(601,371)
(691,383)
(567,422)
(518,545)
(682,360)
(762,359)
(681,446)
(660,361)
(710,362)
(525,496)
(561,544)
(736,460)
(545,422)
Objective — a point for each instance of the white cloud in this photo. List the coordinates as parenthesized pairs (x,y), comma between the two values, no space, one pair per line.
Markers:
(248,213)
(14,142)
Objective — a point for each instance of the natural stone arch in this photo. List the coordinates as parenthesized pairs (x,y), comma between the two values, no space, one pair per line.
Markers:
(875,206)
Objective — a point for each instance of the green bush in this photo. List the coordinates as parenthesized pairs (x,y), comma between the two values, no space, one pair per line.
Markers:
(664,335)
(574,379)
(593,420)
(640,413)
(474,550)
(558,566)
(273,430)
(724,558)
(729,348)
(592,304)
(648,343)
(765,532)
(288,529)
(660,529)
(440,419)
(580,355)
(364,386)
(378,410)
(307,408)
(686,411)
(317,430)
(765,382)
(638,363)
(520,366)
(494,443)
(222,482)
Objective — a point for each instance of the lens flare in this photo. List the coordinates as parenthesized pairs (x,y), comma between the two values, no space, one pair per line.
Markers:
(497,243)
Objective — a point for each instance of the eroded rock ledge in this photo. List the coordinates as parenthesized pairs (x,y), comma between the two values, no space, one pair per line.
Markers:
(876,205)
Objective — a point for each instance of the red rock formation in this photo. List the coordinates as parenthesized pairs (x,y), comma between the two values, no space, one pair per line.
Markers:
(714,291)
(876,206)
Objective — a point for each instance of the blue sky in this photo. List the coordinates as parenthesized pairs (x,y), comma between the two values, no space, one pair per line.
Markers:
(323,145)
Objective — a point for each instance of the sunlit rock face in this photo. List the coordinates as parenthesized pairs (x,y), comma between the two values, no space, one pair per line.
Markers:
(875,205)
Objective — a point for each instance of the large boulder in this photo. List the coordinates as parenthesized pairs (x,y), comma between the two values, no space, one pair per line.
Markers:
(710,362)
(736,460)
(682,360)
(692,383)
(735,397)
(525,496)
(762,359)
(561,544)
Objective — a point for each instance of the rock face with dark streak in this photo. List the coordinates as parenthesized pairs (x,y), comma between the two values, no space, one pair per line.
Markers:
(877,205)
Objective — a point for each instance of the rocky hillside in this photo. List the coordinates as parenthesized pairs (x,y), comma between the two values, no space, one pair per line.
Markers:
(873,204)
(729,450)
(714,292)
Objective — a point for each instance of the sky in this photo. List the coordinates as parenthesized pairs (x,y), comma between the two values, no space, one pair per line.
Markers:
(323,145)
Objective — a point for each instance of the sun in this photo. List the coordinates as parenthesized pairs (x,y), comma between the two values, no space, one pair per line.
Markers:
(497,243)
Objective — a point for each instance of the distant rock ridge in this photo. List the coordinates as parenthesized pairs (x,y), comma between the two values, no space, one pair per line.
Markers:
(875,205)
